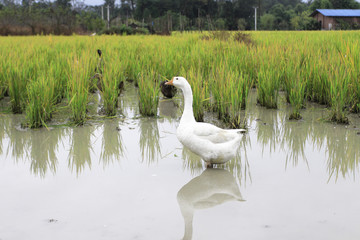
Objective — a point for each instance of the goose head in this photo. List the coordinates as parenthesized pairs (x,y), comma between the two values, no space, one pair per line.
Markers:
(179,82)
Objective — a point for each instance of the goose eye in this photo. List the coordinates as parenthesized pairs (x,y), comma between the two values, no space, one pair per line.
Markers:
(177,79)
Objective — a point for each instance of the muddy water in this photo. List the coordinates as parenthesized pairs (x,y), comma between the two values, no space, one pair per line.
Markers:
(130,178)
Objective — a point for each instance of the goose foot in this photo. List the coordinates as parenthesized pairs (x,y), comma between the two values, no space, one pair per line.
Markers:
(209,165)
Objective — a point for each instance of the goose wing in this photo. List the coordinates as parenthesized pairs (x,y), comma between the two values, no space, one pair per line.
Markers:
(215,134)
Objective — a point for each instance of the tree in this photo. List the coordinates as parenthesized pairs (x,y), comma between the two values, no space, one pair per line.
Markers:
(344,4)
(267,22)
(321,4)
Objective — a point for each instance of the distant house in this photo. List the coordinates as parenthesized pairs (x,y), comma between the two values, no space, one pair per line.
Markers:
(331,19)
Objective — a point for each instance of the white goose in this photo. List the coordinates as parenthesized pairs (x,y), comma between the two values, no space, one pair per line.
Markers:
(214,145)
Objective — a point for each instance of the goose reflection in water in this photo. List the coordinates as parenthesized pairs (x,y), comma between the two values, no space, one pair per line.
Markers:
(213,187)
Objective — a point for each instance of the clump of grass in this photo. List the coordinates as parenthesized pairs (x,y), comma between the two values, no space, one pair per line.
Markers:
(3,82)
(339,92)
(59,71)
(78,88)
(295,87)
(148,93)
(268,85)
(243,38)
(199,89)
(110,88)
(230,90)
(238,91)
(217,35)
(40,104)
(17,88)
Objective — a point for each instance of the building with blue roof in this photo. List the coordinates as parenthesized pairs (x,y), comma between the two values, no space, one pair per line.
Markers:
(331,19)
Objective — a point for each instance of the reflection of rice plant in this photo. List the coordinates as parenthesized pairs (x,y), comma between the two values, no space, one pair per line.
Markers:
(112,144)
(268,129)
(293,140)
(149,140)
(43,146)
(191,161)
(79,155)
(239,167)
(344,153)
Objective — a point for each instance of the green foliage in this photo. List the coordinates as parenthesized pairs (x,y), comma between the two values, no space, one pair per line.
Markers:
(110,80)
(124,30)
(40,103)
(269,79)
(148,92)
(78,87)
(268,22)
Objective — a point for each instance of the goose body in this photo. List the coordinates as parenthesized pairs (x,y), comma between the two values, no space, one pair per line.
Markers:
(211,143)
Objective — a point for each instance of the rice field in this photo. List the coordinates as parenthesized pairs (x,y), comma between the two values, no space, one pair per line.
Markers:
(41,75)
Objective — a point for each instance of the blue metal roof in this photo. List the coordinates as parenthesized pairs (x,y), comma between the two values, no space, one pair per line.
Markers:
(338,12)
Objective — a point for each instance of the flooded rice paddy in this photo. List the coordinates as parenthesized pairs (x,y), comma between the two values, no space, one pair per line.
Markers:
(130,178)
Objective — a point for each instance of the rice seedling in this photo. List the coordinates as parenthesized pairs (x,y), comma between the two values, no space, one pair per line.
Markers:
(78,88)
(295,87)
(238,91)
(3,82)
(40,103)
(110,91)
(199,88)
(270,64)
(148,92)
(17,81)
(338,94)
(268,84)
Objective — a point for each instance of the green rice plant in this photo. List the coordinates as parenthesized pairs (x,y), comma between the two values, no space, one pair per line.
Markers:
(238,91)
(59,70)
(219,92)
(40,103)
(295,87)
(354,84)
(148,92)
(110,80)
(339,82)
(78,88)
(268,84)
(17,80)
(199,88)
(3,81)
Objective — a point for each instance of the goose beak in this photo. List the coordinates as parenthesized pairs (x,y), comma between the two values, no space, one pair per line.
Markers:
(170,82)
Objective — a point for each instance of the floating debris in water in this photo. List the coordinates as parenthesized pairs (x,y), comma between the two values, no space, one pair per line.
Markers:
(51,220)
(118,128)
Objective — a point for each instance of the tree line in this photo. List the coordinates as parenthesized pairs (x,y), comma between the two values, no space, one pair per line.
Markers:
(159,16)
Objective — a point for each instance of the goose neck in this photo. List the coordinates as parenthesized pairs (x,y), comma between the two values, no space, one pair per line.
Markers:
(188,114)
